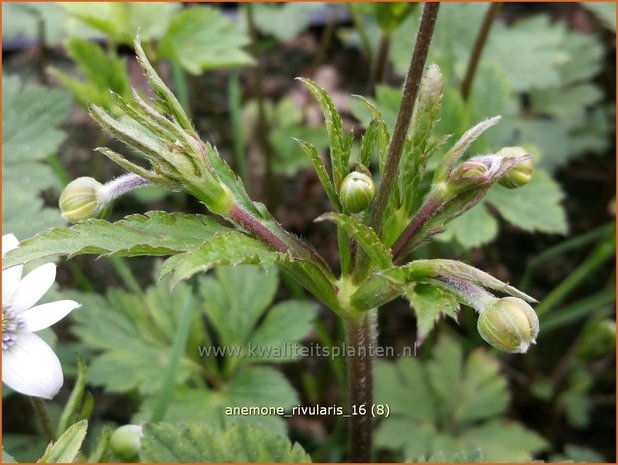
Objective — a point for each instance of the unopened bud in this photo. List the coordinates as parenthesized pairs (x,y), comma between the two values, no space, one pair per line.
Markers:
(126,441)
(80,199)
(357,192)
(509,324)
(521,173)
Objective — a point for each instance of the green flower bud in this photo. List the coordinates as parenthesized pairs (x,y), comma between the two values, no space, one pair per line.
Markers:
(509,324)
(126,442)
(520,174)
(357,192)
(80,199)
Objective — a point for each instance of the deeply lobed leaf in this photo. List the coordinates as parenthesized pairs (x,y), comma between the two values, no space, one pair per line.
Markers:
(154,233)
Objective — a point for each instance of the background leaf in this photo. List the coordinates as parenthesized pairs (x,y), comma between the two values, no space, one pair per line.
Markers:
(202,38)
(31,116)
(195,442)
(449,404)
(67,446)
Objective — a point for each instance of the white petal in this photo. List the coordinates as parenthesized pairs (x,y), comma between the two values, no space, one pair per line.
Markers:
(31,367)
(34,285)
(10,281)
(9,242)
(43,316)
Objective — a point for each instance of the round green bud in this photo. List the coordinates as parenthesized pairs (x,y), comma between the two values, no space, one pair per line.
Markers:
(80,199)
(520,174)
(509,324)
(126,442)
(357,192)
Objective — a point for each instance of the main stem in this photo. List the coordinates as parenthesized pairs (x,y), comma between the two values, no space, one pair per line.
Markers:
(408,101)
(361,338)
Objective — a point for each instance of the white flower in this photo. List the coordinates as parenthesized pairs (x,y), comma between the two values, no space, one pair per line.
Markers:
(29,365)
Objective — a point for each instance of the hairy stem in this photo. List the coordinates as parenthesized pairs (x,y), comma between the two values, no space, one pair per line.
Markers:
(269,185)
(361,338)
(379,67)
(477,50)
(404,243)
(408,101)
(41,412)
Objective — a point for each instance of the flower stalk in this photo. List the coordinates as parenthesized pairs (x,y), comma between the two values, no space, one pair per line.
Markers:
(402,125)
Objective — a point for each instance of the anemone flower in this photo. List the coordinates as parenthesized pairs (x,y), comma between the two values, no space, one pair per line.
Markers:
(29,365)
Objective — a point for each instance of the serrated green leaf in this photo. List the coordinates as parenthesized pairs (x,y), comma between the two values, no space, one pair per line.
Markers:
(533,207)
(202,38)
(283,21)
(484,393)
(334,128)
(195,442)
(366,237)
(30,118)
(320,171)
(66,448)
(504,441)
(449,407)
(236,300)
(134,334)
(154,233)
(123,21)
(103,72)
(226,248)
(286,323)
(472,229)
(429,303)
(251,386)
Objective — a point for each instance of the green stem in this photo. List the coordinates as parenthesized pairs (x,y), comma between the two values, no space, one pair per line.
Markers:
(269,185)
(361,338)
(477,50)
(408,101)
(41,412)
(379,67)
(561,248)
(327,38)
(124,271)
(234,104)
(598,257)
(579,310)
(178,349)
(182,88)
(360,27)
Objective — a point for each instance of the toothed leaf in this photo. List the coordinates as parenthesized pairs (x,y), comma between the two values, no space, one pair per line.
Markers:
(154,233)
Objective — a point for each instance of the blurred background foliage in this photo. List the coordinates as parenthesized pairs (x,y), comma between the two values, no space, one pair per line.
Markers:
(549,69)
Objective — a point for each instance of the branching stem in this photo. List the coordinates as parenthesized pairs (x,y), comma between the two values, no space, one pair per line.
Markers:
(361,338)
(408,101)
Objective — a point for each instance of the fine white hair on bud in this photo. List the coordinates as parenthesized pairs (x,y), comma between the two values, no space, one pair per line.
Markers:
(85,197)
